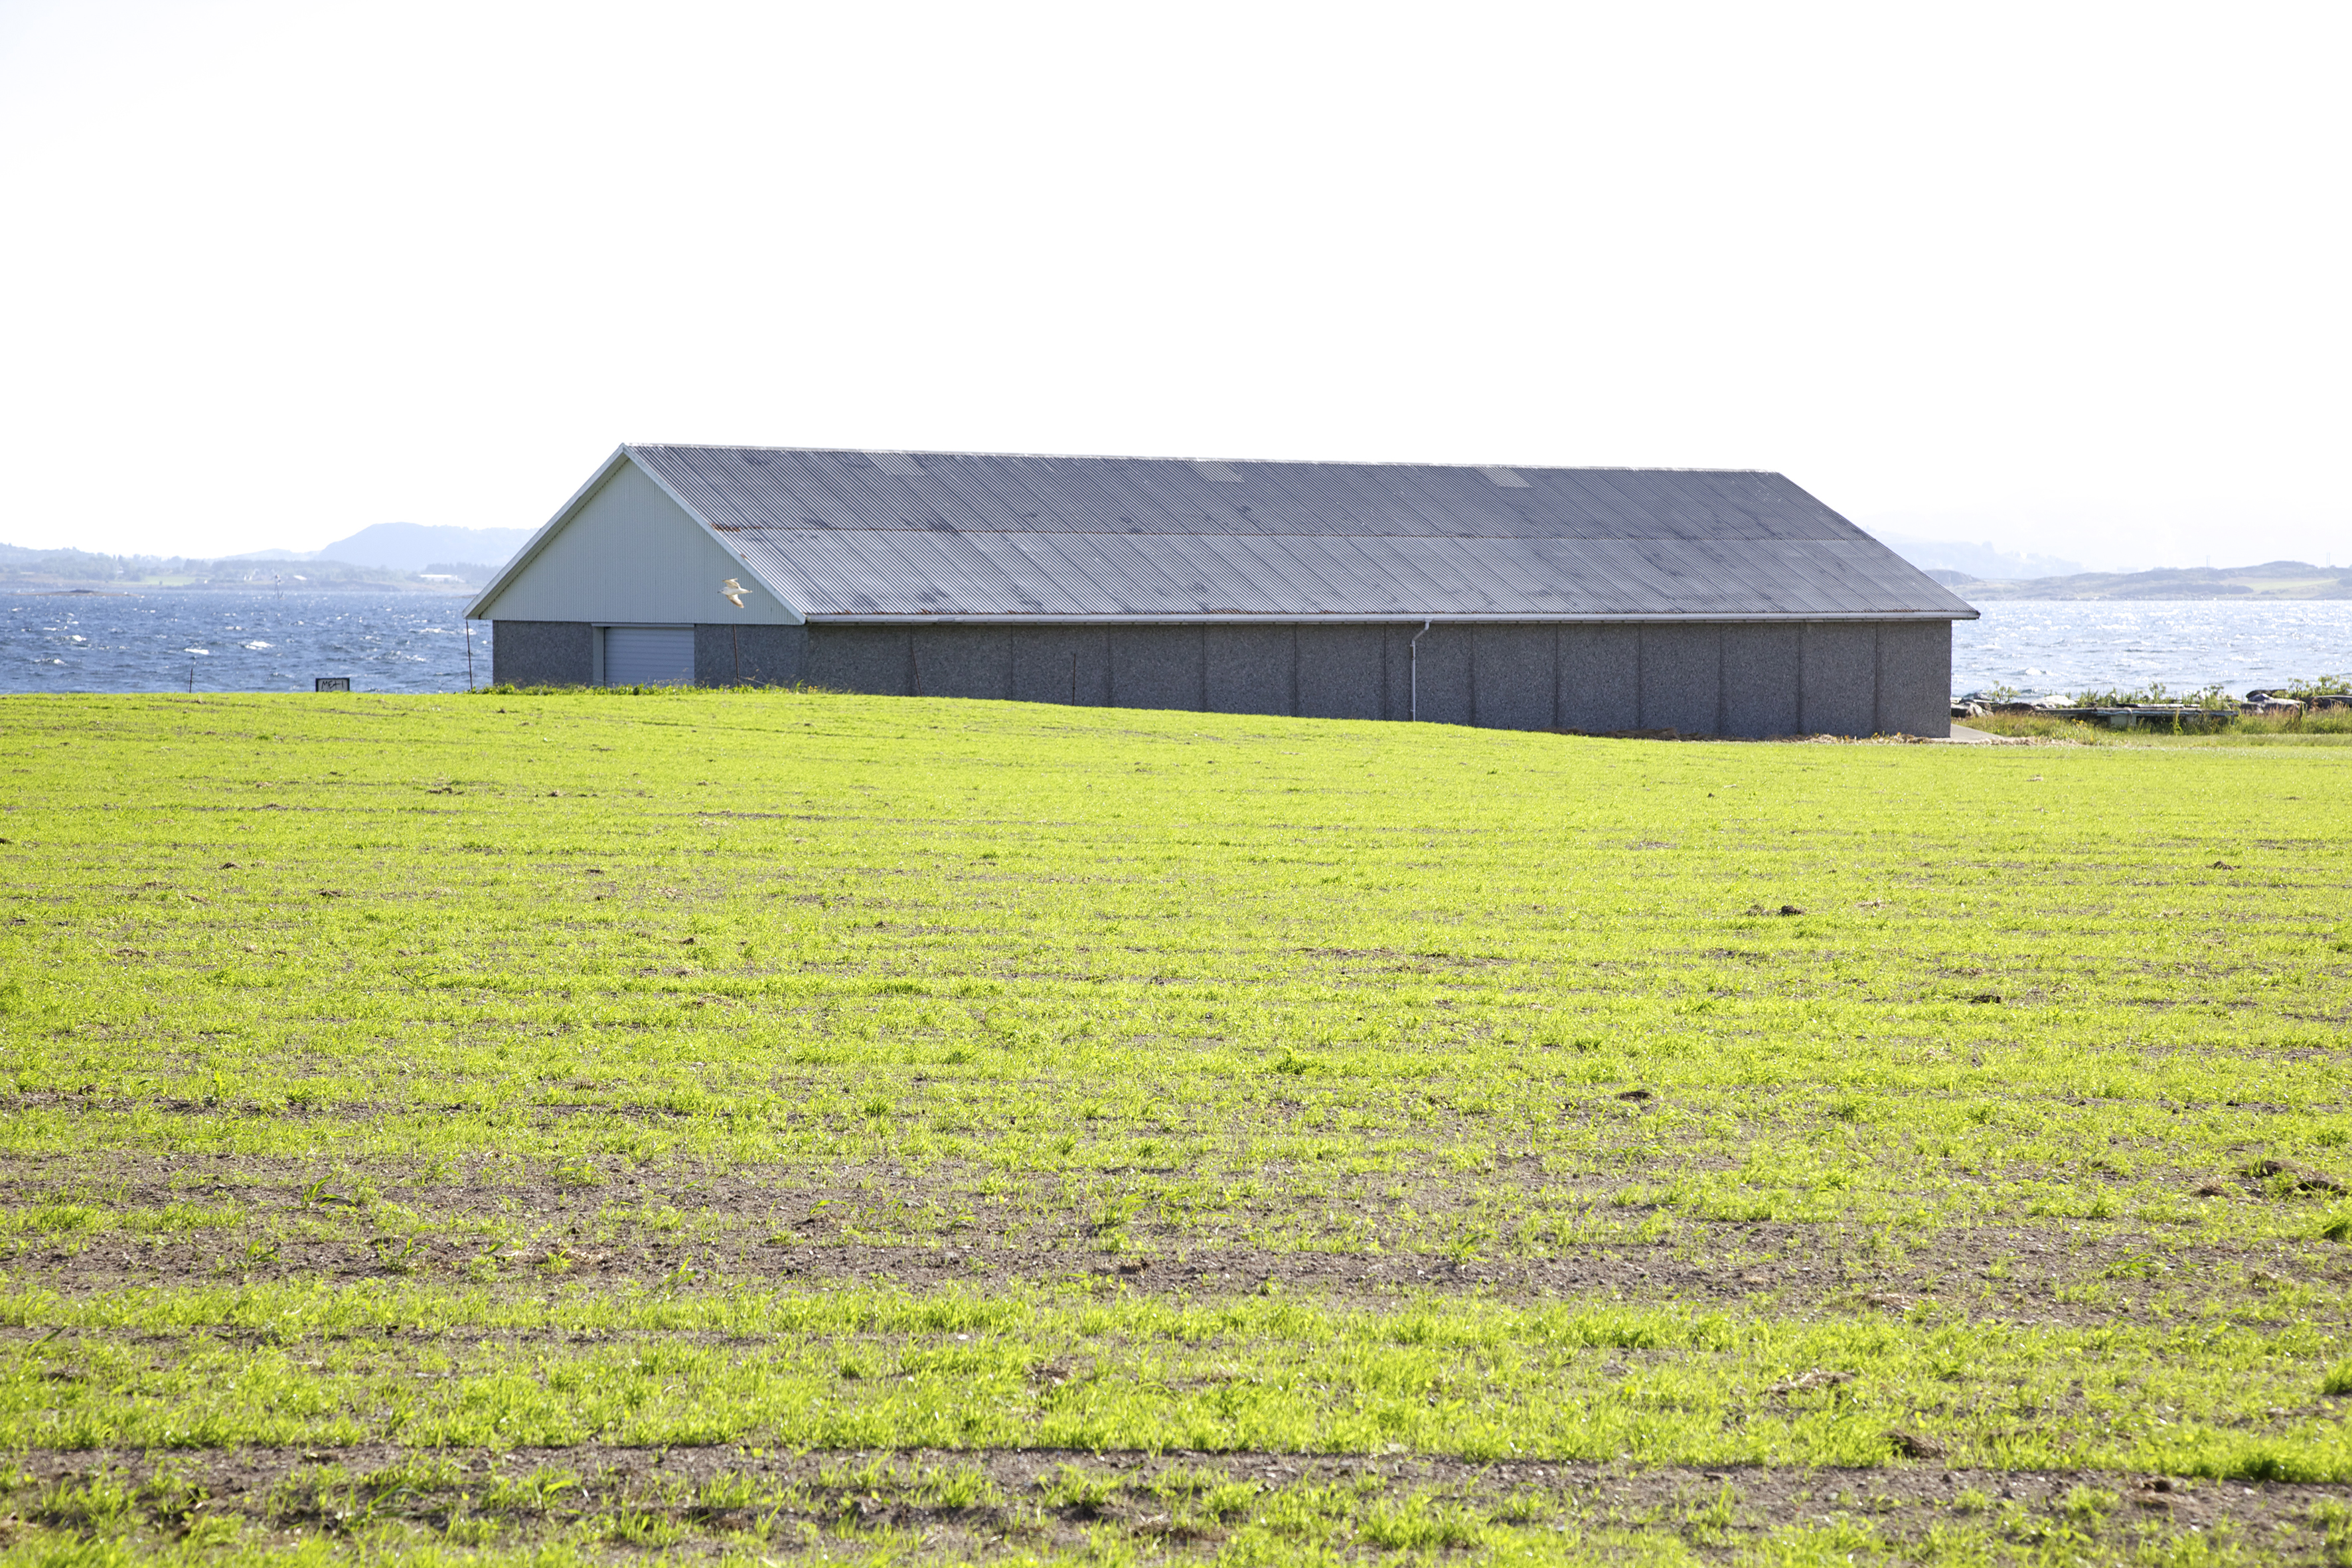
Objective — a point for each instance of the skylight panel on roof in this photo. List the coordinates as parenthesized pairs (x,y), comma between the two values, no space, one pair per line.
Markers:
(900,464)
(1221,473)
(1506,478)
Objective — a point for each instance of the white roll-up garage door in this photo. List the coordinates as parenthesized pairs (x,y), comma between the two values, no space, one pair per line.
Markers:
(648,656)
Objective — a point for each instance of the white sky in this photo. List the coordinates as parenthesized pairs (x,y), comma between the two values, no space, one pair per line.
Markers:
(2071,278)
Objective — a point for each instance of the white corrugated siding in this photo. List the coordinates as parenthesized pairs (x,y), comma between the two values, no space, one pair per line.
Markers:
(629,553)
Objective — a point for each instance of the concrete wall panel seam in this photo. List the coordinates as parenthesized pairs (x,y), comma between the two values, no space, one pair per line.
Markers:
(1803,641)
(1877,680)
(1641,677)
(1723,651)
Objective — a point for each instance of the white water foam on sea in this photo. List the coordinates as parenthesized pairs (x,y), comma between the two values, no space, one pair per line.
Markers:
(2080,645)
(229,641)
(417,642)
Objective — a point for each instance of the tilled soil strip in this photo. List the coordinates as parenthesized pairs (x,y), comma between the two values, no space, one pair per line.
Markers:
(291,1491)
(2010,1276)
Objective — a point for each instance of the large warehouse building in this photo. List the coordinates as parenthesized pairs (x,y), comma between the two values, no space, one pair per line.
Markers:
(1592,599)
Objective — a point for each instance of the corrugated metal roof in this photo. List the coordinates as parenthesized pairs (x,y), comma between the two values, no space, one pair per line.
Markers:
(960,534)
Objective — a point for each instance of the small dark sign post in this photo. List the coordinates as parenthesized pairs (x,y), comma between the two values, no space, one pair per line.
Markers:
(331,683)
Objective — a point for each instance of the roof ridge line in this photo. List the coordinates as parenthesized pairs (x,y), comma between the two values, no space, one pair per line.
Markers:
(1136,458)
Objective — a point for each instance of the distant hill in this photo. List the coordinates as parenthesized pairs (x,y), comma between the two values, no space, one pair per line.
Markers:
(27,570)
(2271,580)
(1974,562)
(417,546)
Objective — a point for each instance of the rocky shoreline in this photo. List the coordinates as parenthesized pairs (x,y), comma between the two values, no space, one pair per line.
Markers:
(2207,711)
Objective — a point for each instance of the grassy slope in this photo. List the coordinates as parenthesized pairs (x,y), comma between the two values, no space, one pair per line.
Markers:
(1115,1080)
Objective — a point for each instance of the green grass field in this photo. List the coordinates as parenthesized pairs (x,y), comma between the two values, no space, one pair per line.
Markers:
(731,1126)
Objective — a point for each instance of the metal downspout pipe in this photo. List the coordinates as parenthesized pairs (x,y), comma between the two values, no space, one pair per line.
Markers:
(1412,667)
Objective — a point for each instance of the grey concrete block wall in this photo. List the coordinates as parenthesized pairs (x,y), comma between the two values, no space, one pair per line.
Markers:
(1754,679)
(1062,664)
(542,653)
(1250,669)
(1513,678)
(1157,667)
(1760,680)
(1682,678)
(749,655)
(876,659)
(1914,678)
(1396,670)
(1443,676)
(1342,671)
(1837,689)
(1599,684)
(962,661)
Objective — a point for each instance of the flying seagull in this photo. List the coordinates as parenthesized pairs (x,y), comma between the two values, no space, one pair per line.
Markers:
(732,592)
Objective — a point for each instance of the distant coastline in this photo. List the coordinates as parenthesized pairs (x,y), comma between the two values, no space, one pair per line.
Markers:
(405,557)
(84,574)
(34,587)
(2271,580)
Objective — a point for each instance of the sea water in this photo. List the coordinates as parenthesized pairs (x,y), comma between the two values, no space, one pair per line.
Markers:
(222,641)
(2070,646)
(213,640)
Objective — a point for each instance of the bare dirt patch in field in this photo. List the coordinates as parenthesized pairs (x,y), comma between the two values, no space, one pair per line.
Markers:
(797,1225)
(987,1503)
(2053,1273)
